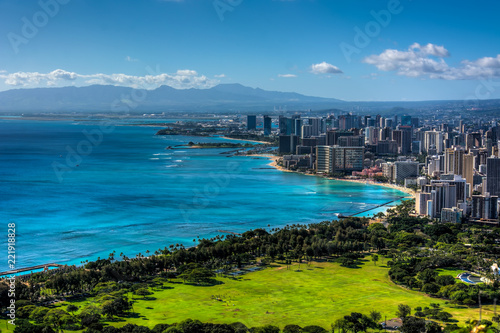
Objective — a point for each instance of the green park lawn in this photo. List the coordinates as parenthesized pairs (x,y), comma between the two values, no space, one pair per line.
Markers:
(317,294)
(449,271)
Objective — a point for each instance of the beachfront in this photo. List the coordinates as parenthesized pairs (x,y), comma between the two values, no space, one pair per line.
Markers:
(274,164)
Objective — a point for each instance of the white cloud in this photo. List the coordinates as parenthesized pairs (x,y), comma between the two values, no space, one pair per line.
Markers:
(287,75)
(427,61)
(325,68)
(431,49)
(182,79)
(130,59)
(35,78)
(220,75)
(187,72)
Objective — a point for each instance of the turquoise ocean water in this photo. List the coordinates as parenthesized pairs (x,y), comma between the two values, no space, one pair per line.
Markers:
(74,198)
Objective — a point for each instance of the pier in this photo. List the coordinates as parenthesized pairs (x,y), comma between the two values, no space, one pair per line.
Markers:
(29,269)
(367,210)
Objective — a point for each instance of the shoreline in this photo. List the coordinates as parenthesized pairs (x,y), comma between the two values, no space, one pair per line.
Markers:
(273,163)
(262,142)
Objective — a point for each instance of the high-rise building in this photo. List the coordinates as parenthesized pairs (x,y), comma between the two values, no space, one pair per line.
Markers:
(443,195)
(306,131)
(406,121)
(388,170)
(288,144)
(387,147)
(348,158)
(458,182)
(286,125)
(333,136)
(415,122)
(493,176)
(372,135)
(323,159)
(468,172)
(283,125)
(331,159)
(251,123)
(381,123)
(267,125)
(416,147)
(473,140)
(453,160)
(451,215)
(316,126)
(433,139)
(298,126)
(406,138)
(397,135)
(405,169)
(421,202)
(484,206)
(365,120)
(310,142)
(433,167)
(386,133)
(348,121)
(351,141)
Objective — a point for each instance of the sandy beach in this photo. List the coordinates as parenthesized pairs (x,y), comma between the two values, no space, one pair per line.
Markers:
(263,142)
(408,191)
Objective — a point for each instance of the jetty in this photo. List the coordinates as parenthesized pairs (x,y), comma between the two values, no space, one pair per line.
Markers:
(367,210)
(45,267)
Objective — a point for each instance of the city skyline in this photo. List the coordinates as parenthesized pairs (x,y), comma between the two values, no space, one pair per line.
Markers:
(384,50)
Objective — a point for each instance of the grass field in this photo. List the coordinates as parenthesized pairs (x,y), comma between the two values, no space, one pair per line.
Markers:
(314,295)
(449,271)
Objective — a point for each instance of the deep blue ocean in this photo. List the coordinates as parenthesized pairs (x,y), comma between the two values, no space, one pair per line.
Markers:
(76,195)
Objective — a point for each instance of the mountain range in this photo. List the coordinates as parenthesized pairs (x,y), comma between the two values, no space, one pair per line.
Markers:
(107,98)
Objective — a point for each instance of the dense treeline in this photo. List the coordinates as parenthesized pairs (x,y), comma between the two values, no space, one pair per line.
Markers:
(108,281)
(416,247)
(427,246)
(298,242)
(195,326)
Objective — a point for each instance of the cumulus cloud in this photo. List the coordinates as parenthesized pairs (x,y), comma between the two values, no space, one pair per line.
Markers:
(430,49)
(35,78)
(287,75)
(428,61)
(182,79)
(325,68)
(220,75)
(187,72)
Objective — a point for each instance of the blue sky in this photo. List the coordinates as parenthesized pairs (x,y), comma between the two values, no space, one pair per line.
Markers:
(415,50)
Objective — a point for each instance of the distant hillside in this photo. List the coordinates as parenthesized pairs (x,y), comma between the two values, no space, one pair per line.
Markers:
(105,98)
